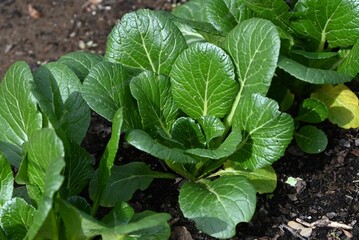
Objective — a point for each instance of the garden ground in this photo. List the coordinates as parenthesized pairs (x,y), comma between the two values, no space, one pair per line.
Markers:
(324,190)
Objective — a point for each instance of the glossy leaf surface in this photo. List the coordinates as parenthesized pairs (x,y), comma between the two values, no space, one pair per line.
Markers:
(311,139)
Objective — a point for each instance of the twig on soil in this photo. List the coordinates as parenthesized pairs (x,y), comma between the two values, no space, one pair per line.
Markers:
(292,231)
(324,222)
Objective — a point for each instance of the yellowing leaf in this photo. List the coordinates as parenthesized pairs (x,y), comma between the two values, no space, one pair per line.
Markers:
(342,103)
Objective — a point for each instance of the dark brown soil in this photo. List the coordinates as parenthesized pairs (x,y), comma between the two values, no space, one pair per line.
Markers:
(328,183)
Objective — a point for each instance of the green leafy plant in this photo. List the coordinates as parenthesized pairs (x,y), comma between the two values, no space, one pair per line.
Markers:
(43,120)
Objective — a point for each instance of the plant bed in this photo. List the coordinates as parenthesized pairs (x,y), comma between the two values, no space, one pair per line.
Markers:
(200,154)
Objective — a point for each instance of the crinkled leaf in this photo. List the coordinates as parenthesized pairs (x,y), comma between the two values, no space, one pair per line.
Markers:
(277,11)
(145,39)
(107,88)
(127,179)
(218,206)
(332,21)
(16,216)
(203,82)
(19,117)
(57,89)
(312,111)
(254,47)
(186,131)
(224,15)
(264,180)
(312,75)
(342,103)
(6,180)
(78,170)
(142,141)
(350,64)
(311,139)
(266,132)
(228,147)
(80,62)
(46,162)
(212,127)
(155,103)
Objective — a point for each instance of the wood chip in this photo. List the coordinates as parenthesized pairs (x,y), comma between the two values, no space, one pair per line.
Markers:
(33,12)
(303,231)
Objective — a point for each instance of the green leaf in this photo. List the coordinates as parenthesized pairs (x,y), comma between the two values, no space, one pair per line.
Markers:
(127,179)
(312,111)
(122,213)
(16,217)
(224,15)
(202,81)
(57,90)
(218,206)
(147,40)
(276,11)
(80,203)
(265,130)
(46,162)
(314,55)
(99,182)
(312,75)
(155,103)
(107,88)
(227,148)
(212,127)
(142,141)
(6,180)
(332,21)
(186,131)
(342,103)
(80,62)
(264,180)
(191,10)
(254,47)
(350,64)
(311,139)
(78,170)
(19,117)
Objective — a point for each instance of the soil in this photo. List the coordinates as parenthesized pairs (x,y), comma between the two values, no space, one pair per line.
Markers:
(327,188)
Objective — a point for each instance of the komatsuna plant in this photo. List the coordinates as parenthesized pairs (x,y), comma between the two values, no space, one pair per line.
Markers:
(319,45)
(43,120)
(199,107)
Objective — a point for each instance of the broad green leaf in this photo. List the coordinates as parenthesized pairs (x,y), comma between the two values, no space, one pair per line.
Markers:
(228,147)
(224,15)
(78,170)
(80,62)
(192,10)
(266,132)
(155,103)
(332,21)
(218,206)
(264,180)
(314,55)
(254,47)
(127,179)
(99,182)
(16,217)
(46,162)
(312,75)
(276,11)
(19,116)
(202,81)
(6,180)
(80,203)
(147,40)
(186,131)
(142,141)
(57,88)
(122,213)
(107,88)
(212,127)
(311,139)
(312,111)
(342,103)
(350,64)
